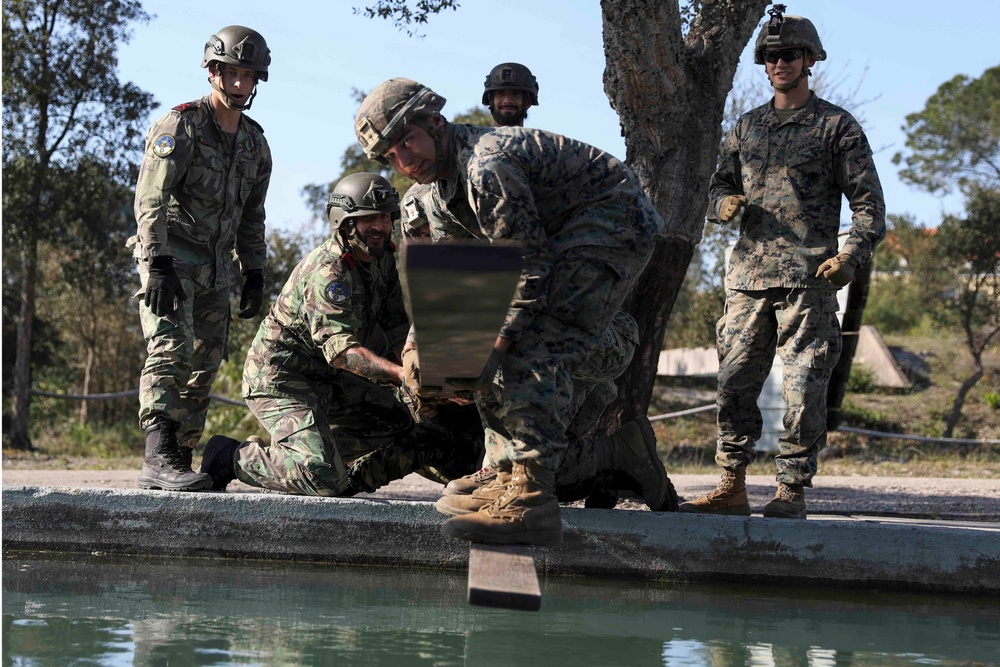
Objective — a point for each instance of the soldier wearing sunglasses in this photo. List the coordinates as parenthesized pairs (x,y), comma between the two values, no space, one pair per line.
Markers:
(784,170)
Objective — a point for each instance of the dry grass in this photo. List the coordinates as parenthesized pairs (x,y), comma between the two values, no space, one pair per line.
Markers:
(688,443)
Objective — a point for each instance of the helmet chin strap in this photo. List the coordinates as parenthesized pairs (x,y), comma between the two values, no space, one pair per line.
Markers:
(794,84)
(355,241)
(228,101)
(439,157)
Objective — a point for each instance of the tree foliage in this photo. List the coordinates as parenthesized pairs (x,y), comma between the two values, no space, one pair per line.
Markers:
(72,136)
(402,15)
(956,138)
(971,246)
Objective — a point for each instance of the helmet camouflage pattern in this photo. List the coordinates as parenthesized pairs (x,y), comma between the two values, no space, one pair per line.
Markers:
(361,194)
(511,76)
(787,31)
(238,45)
(388,109)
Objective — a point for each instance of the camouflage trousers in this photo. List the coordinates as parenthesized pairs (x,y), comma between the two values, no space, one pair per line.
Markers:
(537,398)
(593,391)
(315,436)
(183,355)
(801,325)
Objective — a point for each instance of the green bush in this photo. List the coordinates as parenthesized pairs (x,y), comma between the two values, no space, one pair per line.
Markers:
(861,380)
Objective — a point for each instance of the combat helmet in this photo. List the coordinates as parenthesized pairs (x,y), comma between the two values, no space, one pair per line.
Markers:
(361,194)
(238,45)
(388,110)
(787,31)
(511,76)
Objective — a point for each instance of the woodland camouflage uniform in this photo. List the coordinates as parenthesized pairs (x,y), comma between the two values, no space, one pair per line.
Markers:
(200,200)
(320,418)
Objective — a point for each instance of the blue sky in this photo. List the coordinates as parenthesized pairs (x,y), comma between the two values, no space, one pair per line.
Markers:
(321,50)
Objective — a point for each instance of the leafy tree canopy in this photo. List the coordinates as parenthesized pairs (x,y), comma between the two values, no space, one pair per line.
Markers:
(956,138)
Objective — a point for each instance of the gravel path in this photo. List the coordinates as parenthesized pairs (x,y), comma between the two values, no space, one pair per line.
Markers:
(916,497)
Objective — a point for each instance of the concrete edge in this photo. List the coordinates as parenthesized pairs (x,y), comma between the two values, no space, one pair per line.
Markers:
(830,552)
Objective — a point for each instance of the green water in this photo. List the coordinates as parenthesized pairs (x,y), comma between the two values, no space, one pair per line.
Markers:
(85,610)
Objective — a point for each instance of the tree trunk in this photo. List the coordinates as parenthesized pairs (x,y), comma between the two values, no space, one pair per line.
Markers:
(956,408)
(21,404)
(669,91)
(88,367)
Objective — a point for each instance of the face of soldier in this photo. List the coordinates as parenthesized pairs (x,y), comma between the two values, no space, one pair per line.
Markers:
(509,108)
(785,66)
(374,231)
(415,154)
(236,83)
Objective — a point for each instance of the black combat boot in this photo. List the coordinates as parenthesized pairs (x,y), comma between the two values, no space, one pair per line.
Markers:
(629,456)
(218,461)
(166,466)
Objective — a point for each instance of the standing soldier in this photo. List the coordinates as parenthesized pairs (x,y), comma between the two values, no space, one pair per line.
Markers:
(312,380)
(589,230)
(784,169)
(199,198)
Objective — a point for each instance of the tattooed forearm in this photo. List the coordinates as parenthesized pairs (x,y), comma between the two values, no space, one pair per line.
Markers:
(367,364)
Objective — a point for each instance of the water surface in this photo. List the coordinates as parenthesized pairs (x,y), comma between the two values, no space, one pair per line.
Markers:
(61,610)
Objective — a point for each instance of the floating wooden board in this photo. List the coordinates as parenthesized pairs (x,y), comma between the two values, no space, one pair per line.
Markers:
(503,576)
(457,294)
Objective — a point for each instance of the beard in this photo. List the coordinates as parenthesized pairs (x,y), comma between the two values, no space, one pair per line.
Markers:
(509,118)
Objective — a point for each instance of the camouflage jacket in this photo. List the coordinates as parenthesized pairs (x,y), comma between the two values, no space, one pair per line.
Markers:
(330,303)
(199,199)
(421,206)
(552,192)
(794,175)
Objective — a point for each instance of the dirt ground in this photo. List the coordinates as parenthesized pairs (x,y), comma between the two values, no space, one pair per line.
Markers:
(914,497)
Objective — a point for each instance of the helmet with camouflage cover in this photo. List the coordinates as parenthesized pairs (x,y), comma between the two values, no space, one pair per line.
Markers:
(787,31)
(387,111)
(358,195)
(511,76)
(238,45)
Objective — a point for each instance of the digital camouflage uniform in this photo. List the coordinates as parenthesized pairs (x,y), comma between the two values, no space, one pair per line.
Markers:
(199,199)
(593,383)
(794,175)
(319,417)
(589,230)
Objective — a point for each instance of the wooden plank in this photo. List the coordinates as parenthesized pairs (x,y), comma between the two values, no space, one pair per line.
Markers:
(503,576)
(457,294)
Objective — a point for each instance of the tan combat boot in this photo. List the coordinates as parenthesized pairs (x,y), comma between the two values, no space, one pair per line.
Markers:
(469,483)
(729,497)
(630,455)
(527,512)
(789,502)
(456,504)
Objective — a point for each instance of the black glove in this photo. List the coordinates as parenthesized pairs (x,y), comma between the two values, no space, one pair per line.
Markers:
(163,286)
(252,296)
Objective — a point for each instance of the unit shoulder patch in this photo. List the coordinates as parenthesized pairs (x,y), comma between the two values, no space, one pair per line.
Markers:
(164,145)
(337,293)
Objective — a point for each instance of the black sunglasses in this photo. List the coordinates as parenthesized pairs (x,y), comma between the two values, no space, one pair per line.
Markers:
(788,55)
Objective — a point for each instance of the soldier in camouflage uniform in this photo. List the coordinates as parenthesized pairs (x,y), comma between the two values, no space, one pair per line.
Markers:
(198,201)
(509,91)
(311,379)
(589,230)
(784,169)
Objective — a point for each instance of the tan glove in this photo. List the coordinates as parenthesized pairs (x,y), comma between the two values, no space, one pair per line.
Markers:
(732,208)
(411,371)
(838,270)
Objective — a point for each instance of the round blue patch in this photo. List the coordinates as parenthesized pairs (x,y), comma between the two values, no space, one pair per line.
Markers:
(337,293)
(164,145)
